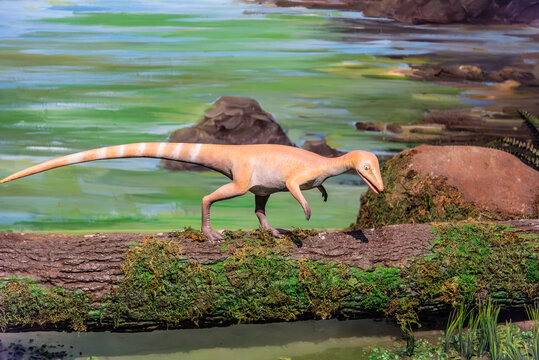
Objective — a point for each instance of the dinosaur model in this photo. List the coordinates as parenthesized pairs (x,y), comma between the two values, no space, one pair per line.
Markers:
(260,169)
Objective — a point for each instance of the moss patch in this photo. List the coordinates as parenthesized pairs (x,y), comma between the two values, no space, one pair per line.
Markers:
(469,262)
(160,285)
(410,197)
(25,303)
(189,234)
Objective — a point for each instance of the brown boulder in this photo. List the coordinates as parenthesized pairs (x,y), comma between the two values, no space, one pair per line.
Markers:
(453,73)
(444,183)
(469,126)
(493,180)
(432,11)
(321,147)
(231,120)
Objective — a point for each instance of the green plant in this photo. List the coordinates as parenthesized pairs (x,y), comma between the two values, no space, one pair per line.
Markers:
(512,347)
(467,342)
(488,314)
(533,316)
(452,323)
(410,338)
(525,150)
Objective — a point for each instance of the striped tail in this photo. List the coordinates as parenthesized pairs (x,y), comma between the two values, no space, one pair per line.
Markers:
(171,151)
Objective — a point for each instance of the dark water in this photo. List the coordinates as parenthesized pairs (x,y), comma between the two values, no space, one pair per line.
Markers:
(323,339)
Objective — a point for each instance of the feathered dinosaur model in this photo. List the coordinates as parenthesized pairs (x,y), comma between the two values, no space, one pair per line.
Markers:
(260,169)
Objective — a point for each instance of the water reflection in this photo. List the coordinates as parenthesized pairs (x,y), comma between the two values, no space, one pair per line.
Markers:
(305,340)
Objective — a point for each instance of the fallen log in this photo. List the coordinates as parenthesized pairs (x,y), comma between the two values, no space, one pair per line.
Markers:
(135,282)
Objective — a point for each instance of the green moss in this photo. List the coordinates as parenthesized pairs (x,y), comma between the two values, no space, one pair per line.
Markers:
(376,287)
(24,303)
(190,234)
(410,197)
(325,286)
(533,270)
(258,284)
(161,286)
(468,262)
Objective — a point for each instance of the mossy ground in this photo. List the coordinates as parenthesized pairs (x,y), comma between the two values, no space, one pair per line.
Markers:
(25,303)
(410,197)
(469,262)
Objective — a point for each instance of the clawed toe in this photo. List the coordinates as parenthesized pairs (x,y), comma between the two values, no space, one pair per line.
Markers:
(276,233)
(212,235)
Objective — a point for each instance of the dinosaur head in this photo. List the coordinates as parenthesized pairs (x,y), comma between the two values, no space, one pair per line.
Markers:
(367,167)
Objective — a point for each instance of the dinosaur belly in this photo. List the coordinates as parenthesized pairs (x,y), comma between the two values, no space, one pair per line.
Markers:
(265,191)
(264,182)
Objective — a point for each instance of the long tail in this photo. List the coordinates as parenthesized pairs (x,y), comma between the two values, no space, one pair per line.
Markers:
(172,151)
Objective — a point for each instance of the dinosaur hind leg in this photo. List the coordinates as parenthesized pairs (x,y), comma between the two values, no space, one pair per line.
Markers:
(260,211)
(225,192)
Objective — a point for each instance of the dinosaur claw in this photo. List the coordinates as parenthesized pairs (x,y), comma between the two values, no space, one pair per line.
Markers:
(212,235)
(276,233)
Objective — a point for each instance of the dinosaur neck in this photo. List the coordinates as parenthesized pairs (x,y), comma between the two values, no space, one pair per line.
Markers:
(339,165)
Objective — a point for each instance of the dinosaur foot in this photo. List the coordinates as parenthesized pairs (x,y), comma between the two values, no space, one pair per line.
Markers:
(212,235)
(276,232)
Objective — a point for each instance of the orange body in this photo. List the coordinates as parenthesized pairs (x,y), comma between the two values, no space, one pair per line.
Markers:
(260,169)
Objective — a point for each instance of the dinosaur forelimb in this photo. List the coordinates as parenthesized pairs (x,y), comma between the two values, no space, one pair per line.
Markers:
(294,189)
(323,191)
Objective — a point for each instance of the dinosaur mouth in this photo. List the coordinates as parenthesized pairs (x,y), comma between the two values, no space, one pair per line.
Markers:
(371,184)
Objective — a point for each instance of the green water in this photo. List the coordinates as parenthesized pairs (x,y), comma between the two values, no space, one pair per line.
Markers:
(304,340)
(81,75)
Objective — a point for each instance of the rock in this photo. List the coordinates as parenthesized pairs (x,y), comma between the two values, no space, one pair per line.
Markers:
(470,126)
(231,120)
(433,11)
(313,4)
(493,180)
(443,183)
(378,127)
(510,73)
(369,126)
(321,147)
(471,72)
(239,120)
(430,72)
